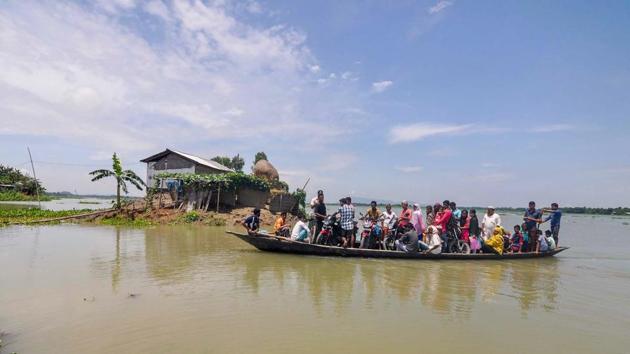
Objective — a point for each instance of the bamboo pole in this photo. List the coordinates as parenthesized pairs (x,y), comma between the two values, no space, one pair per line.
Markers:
(39,203)
(218,197)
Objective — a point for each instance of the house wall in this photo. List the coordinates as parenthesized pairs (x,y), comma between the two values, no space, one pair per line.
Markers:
(151,172)
(206,169)
(173,163)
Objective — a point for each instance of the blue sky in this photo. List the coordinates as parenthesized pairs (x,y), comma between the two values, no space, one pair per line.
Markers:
(477,101)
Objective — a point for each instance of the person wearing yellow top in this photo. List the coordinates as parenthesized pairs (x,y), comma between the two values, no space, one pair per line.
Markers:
(280,228)
(373,213)
(494,244)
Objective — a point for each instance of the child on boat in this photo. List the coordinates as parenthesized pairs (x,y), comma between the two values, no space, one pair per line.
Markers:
(280,227)
(517,240)
(550,240)
(526,238)
(541,243)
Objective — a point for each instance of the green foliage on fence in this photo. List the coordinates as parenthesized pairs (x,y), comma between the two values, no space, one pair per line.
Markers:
(226,181)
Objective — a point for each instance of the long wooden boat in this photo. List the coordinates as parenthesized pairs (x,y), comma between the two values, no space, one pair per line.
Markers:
(272,243)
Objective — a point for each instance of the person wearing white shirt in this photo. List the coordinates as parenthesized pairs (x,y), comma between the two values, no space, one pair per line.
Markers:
(489,222)
(389,218)
(435,242)
(300,231)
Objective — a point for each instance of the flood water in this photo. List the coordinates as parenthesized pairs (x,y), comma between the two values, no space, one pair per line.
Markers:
(62,204)
(193,289)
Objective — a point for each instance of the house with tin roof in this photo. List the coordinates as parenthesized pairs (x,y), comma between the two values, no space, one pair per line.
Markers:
(172,161)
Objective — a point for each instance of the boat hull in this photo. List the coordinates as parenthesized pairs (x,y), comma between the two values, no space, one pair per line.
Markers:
(270,243)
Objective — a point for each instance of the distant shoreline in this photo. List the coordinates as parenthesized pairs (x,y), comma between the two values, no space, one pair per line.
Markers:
(619,211)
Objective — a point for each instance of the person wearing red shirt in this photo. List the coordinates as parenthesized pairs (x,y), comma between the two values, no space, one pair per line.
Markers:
(442,219)
(405,215)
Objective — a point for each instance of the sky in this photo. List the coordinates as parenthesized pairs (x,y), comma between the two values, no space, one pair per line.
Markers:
(482,102)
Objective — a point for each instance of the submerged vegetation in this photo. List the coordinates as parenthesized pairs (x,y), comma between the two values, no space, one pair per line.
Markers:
(119,220)
(34,214)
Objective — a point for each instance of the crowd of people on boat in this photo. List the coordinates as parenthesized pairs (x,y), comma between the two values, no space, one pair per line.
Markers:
(443,227)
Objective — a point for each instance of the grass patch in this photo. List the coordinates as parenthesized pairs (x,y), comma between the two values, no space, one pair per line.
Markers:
(123,221)
(34,214)
(88,202)
(13,196)
(197,217)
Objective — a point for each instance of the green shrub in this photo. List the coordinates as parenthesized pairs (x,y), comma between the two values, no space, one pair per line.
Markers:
(226,181)
(14,196)
(191,216)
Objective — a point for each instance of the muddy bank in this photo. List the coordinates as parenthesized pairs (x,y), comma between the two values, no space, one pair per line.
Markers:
(139,214)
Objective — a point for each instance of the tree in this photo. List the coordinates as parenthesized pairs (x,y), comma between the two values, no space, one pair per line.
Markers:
(260,156)
(22,183)
(237,163)
(223,160)
(122,177)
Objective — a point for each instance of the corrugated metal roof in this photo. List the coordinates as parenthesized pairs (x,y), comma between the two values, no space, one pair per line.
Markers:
(200,160)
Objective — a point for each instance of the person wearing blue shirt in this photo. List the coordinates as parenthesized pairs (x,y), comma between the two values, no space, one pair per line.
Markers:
(457,214)
(252,222)
(555,216)
(532,218)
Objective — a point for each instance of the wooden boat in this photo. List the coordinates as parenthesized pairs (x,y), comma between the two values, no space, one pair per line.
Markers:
(271,243)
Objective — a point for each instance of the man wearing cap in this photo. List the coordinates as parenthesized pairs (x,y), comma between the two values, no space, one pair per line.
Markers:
(489,223)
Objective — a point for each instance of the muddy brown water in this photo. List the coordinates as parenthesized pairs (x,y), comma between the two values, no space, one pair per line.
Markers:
(194,289)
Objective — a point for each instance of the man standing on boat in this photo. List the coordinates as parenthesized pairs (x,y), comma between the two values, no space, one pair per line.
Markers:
(489,222)
(346,221)
(441,220)
(556,215)
(319,211)
(532,218)
(405,215)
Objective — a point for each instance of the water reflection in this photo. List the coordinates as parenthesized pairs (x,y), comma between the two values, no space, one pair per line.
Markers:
(447,288)
(177,255)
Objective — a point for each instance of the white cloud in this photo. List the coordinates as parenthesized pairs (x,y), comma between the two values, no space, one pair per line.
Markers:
(381,86)
(315,68)
(78,72)
(409,169)
(552,128)
(157,8)
(439,6)
(419,131)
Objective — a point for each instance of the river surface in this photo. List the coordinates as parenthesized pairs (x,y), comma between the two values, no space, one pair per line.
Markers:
(62,204)
(194,289)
